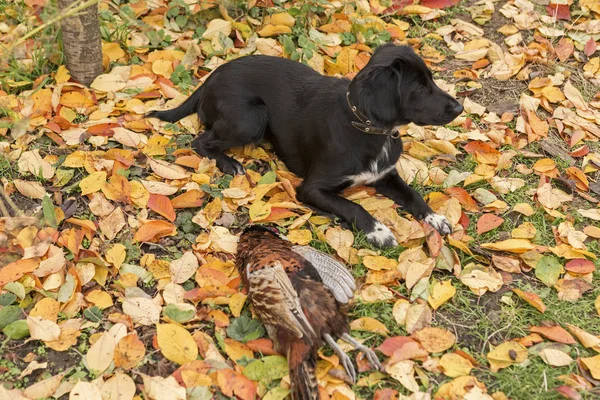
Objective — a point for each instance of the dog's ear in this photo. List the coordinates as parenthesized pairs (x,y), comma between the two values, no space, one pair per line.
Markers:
(378,84)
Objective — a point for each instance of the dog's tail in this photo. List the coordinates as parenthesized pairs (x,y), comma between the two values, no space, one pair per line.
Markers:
(302,362)
(188,107)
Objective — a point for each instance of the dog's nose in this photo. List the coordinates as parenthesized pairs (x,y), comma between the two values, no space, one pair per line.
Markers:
(458,108)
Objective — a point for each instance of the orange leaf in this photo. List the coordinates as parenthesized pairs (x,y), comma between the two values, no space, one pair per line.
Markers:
(263,345)
(279,213)
(479,147)
(161,204)
(487,222)
(236,384)
(129,352)
(190,199)
(15,270)
(463,198)
(555,333)
(531,298)
(154,230)
(103,129)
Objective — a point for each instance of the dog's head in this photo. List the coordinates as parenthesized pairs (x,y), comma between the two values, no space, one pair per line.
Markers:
(396,88)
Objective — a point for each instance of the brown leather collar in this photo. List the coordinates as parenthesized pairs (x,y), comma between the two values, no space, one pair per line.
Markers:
(366,126)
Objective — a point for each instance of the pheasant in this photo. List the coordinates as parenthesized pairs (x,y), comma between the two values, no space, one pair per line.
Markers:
(297,292)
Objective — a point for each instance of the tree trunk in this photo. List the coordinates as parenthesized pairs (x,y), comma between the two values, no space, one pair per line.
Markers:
(82,45)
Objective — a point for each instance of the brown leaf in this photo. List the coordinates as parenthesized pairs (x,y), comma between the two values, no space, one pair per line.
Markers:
(130,351)
(590,47)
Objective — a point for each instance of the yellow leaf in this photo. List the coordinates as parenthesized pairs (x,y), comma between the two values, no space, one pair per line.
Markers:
(273,30)
(116,255)
(416,9)
(166,170)
(593,364)
(524,231)
(282,19)
(344,63)
(435,340)
(62,75)
(184,267)
(300,236)
(47,309)
(42,329)
(404,372)
(99,298)
(101,353)
(370,325)
(505,355)
(524,209)
(236,350)
(176,344)
(586,339)
(236,304)
(399,311)
(440,293)
(113,51)
(92,183)
(454,365)
(378,263)
(259,210)
(511,245)
(555,357)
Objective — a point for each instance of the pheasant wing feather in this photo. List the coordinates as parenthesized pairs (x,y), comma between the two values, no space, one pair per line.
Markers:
(334,274)
(277,301)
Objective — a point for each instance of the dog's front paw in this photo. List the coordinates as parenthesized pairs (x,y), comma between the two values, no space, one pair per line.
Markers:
(231,167)
(439,223)
(381,236)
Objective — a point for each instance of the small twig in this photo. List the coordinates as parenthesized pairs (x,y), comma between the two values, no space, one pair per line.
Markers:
(492,335)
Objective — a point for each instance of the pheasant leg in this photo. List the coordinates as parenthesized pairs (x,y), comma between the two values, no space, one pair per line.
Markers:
(370,354)
(344,359)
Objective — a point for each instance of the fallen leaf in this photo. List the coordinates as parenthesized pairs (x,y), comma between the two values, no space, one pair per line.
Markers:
(370,325)
(555,358)
(176,343)
(183,268)
(531,298)
(505,355)
(487,222)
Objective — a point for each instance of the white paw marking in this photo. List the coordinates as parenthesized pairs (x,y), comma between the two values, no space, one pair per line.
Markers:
(439,223)
(381,235)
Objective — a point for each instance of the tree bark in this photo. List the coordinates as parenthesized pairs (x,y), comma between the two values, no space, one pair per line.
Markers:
(82,44)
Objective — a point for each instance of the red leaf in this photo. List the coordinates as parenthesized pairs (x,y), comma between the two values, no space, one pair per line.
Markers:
(161,204)
(487,222)
(568,392)
(559,11)
(464,220)
(590,47)
(580,266)
(580,152)
(396,6)
(390,345)
(439,3)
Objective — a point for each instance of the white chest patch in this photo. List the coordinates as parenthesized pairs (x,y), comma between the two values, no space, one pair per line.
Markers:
(373,173)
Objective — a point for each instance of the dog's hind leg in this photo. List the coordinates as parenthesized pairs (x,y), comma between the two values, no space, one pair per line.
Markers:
(232,130)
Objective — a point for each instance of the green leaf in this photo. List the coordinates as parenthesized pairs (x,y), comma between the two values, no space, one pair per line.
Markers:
(48,209)
(288,44)
(16,288)
(267,369)
(268,178)
(548,270)
(176,314)
(244,329)
(6,299)
(62,177)
(277,393)
(93,313)
(16,330)
(9,314)
(66,290)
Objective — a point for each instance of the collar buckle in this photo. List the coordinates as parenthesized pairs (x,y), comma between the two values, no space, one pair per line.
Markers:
(365,125)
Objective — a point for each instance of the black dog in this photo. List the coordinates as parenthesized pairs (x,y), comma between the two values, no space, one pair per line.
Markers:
(332,132)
